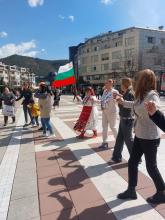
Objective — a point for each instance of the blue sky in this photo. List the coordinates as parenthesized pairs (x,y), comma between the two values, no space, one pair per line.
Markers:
(46,28)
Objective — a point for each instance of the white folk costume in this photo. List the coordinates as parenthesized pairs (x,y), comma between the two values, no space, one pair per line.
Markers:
(88,119)
(109,113)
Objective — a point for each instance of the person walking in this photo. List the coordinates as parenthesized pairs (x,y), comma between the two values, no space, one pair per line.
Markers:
(44,101)
(147,138)
(88,119)
(125,132)
(109,111)
(8,99)
(57,94)
(27,95)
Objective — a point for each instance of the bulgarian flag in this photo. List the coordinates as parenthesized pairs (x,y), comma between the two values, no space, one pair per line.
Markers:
(65,76)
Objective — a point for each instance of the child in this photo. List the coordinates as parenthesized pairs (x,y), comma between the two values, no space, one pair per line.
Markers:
(35,111)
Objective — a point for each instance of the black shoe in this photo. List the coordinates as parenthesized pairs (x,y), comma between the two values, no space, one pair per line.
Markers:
(157,198)
(103,146)
(25,125)
(115,160)
(40,129)
(128,194)
(5,125)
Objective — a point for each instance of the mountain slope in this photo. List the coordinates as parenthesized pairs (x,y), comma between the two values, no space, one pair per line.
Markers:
(38,66)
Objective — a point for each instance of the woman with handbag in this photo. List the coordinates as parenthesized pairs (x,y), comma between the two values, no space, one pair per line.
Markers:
(8,99)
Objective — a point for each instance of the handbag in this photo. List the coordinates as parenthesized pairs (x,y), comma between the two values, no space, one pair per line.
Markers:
(8,110)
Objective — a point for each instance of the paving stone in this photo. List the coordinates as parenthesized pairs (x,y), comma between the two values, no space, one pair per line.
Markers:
(27,165)
(85,194)
(24,189)
(53,202)
(23,209)
(26,156)
(48,171)
(25,175)
(50,161)
(67,214)
(51,184)
(96,210)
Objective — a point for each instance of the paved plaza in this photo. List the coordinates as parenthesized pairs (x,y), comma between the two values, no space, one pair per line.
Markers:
(64,178)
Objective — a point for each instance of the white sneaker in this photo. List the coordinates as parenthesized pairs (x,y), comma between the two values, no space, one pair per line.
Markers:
(44,135)
(51,136)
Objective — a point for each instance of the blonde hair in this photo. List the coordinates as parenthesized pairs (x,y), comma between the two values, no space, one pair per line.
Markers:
(126,82)
(145,83)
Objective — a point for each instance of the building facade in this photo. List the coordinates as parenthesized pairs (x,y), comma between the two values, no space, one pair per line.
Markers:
(119,54)
(14,76)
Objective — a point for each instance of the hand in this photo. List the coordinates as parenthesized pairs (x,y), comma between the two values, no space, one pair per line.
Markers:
(150,107)
(119,99)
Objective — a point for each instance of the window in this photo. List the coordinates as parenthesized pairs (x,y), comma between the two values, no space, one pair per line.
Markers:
(96,77)
(83,69)
(93,68)
(105,66)
(88,50)
(115,65)
(162,41)
(151,40)
(96,48)
(129,53)
(84,60)
(116,54)
(129,41)
(105,56)
(94,58)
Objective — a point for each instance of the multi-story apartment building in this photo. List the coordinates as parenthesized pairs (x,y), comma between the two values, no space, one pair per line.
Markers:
(15,76)
(122,53)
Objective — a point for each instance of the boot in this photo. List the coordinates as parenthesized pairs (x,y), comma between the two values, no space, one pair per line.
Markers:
(130,193)
(103,146)
(13,120)
(157,198)
(5,120)
(94,133)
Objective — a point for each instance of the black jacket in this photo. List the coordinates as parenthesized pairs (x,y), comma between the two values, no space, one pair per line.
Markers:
(159,119)
(27,95)
(126,112)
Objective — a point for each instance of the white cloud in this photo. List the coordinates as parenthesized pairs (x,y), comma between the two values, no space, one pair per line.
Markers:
(3,34)
(43,50)
(61,17)
(71,18)
(106,2)
(35,3)
(24,48)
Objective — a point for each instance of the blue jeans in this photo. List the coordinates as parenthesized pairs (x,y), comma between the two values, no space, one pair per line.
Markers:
(46,125)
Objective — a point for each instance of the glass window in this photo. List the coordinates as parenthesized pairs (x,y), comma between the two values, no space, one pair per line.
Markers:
(129,41)
(129,52)
(105,66)
(105,56)
(115,65)
(151,40)
(116,54)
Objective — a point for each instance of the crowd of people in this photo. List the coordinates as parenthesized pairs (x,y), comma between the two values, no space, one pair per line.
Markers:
(137,108)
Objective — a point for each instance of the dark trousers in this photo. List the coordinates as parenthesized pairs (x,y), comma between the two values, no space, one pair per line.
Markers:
(6,119)
(27,111)
(149,149)
(124,135)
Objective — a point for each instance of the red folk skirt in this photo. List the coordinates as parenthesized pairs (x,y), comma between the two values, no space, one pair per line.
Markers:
(83,119)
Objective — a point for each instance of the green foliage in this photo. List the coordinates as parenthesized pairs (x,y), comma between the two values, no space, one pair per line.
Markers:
(38,66)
